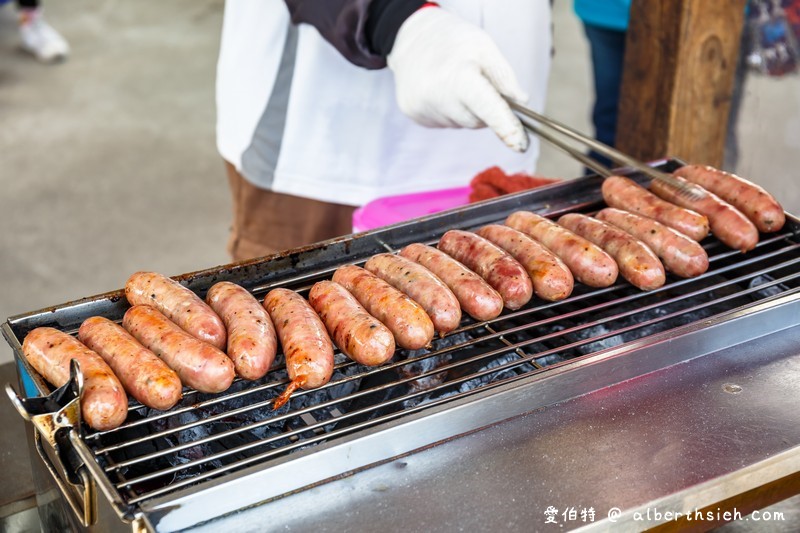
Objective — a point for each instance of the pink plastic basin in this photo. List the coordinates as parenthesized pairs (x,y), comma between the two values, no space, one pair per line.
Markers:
(393,209)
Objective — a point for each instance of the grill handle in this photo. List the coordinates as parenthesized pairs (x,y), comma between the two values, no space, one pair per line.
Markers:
(57,419)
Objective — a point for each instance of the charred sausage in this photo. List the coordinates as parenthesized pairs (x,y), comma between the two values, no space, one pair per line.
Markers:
(758,205)
(358,334)
(626,194)
(728,224)
(637,263)
(179,304)
(552,280)
(589,263)
(477,298)
(252,342)
(306,346)
(681,255)
(492,263)
(406,319)
(199,364)
(422,286)
(146,377)
(104,404)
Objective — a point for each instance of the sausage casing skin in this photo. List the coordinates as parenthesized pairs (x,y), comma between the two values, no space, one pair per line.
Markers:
(406,319)
(477,298)
(728,224)
(104,404)
(146,377)
(199,364)
(252,341)
(681,255)
(179,304)
(757,204)
(306,345)
(626,194)
(358,334)
(637,263)
(588,262)
(422,286)
(492,263)
(552,280)
(307,348)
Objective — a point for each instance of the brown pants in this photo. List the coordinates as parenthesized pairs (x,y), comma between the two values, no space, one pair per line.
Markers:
(266,222)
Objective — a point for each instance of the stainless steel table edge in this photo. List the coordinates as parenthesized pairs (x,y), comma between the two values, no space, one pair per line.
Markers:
(701,496)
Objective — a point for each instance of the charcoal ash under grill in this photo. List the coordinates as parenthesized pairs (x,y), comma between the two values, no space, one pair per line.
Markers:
(470,345)
(186,444)
(771,290)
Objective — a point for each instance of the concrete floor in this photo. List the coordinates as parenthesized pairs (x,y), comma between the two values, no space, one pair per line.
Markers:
(108,162)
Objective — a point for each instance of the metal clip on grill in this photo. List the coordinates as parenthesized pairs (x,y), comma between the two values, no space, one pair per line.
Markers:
(527,116)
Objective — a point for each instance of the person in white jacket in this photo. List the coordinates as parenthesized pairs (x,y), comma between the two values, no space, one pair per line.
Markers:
(311,124)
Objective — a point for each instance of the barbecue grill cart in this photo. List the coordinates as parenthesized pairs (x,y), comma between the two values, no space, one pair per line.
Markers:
(679,399)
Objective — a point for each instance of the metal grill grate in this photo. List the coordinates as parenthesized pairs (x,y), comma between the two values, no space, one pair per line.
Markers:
(156,453)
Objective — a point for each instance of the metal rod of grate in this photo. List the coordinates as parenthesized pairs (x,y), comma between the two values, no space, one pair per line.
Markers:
(497,332)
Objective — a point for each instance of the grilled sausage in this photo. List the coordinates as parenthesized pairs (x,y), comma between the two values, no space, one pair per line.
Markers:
(728,224)
(104,404)
(492,263)
(626,194)
(358,334)
(422,286)
(306,346)
(589,264)
(199,365)
(406,319)
(680,255)
(637,263)
(477,298)
(252,342)
(146,377)
(179,304)
(552,280)
(758,205)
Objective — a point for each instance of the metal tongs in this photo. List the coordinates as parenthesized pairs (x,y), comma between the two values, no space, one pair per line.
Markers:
(527,116)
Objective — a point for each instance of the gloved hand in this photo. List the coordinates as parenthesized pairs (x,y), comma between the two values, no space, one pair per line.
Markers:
(450,73)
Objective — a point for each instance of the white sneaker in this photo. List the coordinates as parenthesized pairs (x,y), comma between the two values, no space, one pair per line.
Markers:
(40,39)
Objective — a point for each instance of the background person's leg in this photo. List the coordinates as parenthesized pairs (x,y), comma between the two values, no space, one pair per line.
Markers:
(608,54)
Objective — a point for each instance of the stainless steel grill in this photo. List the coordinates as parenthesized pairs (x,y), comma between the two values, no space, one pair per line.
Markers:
(156,457)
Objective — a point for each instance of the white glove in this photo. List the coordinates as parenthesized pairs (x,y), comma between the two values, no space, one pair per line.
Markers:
(450,73)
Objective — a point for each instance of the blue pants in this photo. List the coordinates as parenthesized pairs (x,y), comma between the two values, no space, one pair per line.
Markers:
(608,54)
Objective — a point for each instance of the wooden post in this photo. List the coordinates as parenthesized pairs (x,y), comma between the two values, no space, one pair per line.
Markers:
(680,61)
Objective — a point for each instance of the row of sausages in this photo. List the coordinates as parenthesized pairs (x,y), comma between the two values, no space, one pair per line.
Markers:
(735,210)
(170,337)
